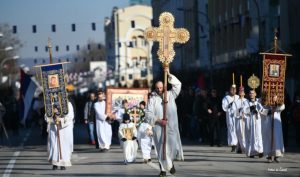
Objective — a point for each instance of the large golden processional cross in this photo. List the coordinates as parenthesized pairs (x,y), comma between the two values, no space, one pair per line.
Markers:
(166,35)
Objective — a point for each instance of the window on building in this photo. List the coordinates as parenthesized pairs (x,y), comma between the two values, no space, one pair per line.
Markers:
(134,42)
(46,48)
(56,48)
(67,60)
(94,26)
(132,24)
(35,61)
(73,27)
(67,48)
(143,73)
(53,28)
(131,44)
(15,29)
(120,44)
(36,48)
(89,47)
(99,46)
(130,76)
(77,47)
(122,78)
(33,28)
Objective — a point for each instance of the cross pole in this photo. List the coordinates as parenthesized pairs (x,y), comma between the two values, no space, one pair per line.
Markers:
(56,122)
(166,35)
(50,50)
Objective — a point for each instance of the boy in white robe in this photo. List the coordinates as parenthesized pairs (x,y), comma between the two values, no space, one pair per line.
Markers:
(65,125)
(127,136)
(145,136)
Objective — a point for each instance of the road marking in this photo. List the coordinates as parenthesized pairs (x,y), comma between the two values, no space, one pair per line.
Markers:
(13,160)
(11,164)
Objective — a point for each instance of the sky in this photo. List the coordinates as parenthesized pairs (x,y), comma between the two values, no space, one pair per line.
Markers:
(62,13)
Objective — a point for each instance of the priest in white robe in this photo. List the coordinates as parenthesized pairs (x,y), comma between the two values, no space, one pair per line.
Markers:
(154,115)
(103,127)
(273,150)
(65,126)
(240,121)
(128,137)
(253,136)
(227,103)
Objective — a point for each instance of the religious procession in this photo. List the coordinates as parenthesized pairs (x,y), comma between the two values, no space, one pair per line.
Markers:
(177,89)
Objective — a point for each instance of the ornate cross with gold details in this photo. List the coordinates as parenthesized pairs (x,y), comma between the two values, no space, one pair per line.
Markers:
(166,35)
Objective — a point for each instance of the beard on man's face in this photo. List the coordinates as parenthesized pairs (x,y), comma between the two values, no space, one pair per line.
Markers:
(158,91)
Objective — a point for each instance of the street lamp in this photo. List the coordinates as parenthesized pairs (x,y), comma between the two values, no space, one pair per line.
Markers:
(3,61)
(7,48)
(1,34)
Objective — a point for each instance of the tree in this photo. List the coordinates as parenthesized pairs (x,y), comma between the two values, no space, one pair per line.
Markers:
(9,40)
(92,52)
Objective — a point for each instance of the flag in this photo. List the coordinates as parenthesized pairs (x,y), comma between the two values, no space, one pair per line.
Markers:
(27,90)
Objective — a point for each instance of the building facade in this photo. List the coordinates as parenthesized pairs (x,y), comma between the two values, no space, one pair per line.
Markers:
(239,30)
(128,53)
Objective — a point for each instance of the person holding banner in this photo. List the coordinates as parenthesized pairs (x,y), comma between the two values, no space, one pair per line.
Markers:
(60,131)
(103,126)
(154,116)
(272,135)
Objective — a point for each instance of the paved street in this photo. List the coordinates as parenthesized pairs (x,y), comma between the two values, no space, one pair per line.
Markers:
(30,159)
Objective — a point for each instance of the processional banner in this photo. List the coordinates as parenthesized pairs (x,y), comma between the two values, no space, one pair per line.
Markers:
(114,97)
(54,87)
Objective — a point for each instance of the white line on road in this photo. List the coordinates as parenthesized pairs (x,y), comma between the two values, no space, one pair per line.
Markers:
(11,164)
(12,161)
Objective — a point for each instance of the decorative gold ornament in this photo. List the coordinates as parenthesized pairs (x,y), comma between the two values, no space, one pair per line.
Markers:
(253,82)
(166,35)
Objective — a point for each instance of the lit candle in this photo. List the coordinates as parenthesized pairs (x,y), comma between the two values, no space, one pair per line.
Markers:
(241,80)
